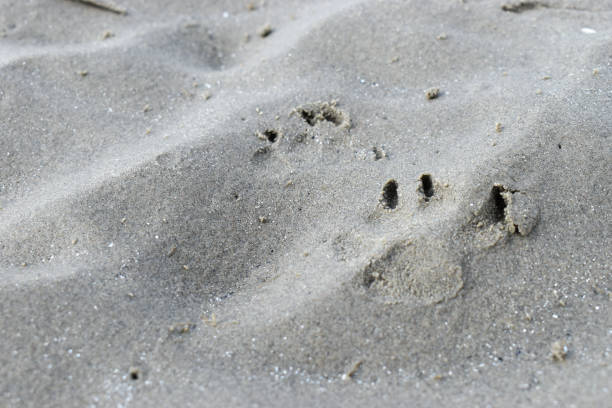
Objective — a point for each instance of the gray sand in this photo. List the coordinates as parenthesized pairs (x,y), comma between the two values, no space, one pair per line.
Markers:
(257,204)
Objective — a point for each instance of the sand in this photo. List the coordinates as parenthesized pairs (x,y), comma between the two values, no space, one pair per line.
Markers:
(263,204)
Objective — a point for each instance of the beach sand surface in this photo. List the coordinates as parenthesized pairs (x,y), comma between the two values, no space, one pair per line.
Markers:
(305,203)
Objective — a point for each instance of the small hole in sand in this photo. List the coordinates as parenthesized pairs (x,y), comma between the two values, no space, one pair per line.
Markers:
(390,197)
(427,186)
(559,145)
(499,203)
(521,6)
(271,135)
(323,112)
(331,115)
(134,373)
(308,116)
